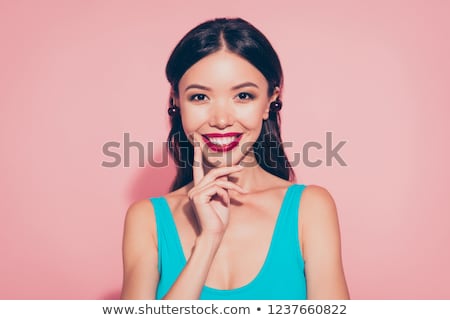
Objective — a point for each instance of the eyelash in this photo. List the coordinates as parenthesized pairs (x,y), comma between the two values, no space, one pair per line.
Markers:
(193,97)
(249,96)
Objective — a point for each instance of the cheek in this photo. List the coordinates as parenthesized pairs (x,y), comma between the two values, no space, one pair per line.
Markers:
(192,121)
(251,118)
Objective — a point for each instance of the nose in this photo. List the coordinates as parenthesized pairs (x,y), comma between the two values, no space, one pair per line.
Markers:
(221,115)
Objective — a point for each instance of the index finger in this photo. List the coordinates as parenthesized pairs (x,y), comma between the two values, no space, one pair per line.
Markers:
(197,166)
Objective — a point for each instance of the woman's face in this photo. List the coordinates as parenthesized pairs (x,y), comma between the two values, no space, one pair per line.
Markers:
(224,94)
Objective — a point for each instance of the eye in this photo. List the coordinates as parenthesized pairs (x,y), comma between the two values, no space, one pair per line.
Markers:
(197,97)
(245,96)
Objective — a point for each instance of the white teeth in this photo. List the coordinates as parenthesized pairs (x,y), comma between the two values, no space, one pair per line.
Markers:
(222,141)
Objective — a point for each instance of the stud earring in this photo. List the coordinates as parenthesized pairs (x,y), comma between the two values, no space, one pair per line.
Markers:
(173,109)
(276,105)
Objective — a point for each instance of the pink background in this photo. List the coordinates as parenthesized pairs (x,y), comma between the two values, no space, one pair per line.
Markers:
(78,74)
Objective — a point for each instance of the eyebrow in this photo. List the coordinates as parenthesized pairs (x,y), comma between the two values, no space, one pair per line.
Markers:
(239,86)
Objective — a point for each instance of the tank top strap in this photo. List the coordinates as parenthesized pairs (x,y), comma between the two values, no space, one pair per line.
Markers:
(170,254)
(286,234)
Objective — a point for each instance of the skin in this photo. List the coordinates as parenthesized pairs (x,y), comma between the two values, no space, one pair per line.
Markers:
(231,200)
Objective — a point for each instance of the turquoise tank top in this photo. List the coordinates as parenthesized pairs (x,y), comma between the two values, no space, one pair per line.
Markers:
(281,277)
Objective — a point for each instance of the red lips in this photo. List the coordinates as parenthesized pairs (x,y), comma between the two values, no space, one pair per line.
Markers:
(224,148)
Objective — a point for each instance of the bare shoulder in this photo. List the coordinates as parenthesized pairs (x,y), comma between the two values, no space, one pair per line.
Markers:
(140,216)
(318,218)
(318,201)
(321,245)
(140,235)
(140,208)
(140,252)
(317,193)
(142,211)
(318,223)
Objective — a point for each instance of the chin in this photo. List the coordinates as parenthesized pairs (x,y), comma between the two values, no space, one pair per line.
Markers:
(229,158)
(226,160)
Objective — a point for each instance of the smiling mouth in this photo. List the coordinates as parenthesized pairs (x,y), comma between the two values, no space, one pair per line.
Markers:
(222,144)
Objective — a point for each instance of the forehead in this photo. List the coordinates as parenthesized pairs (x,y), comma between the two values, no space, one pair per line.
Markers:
(222,69)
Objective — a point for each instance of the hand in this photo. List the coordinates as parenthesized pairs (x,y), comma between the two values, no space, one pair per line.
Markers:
(209,196)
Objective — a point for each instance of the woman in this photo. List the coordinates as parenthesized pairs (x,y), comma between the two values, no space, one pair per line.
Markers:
(233,225)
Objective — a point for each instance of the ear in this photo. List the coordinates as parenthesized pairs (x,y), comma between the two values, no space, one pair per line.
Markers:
(174,97)
(275,95)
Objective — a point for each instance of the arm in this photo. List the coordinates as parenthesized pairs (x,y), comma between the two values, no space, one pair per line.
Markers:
(140,252)
(212,215)
(321,246)
(192,278)
(140,258)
